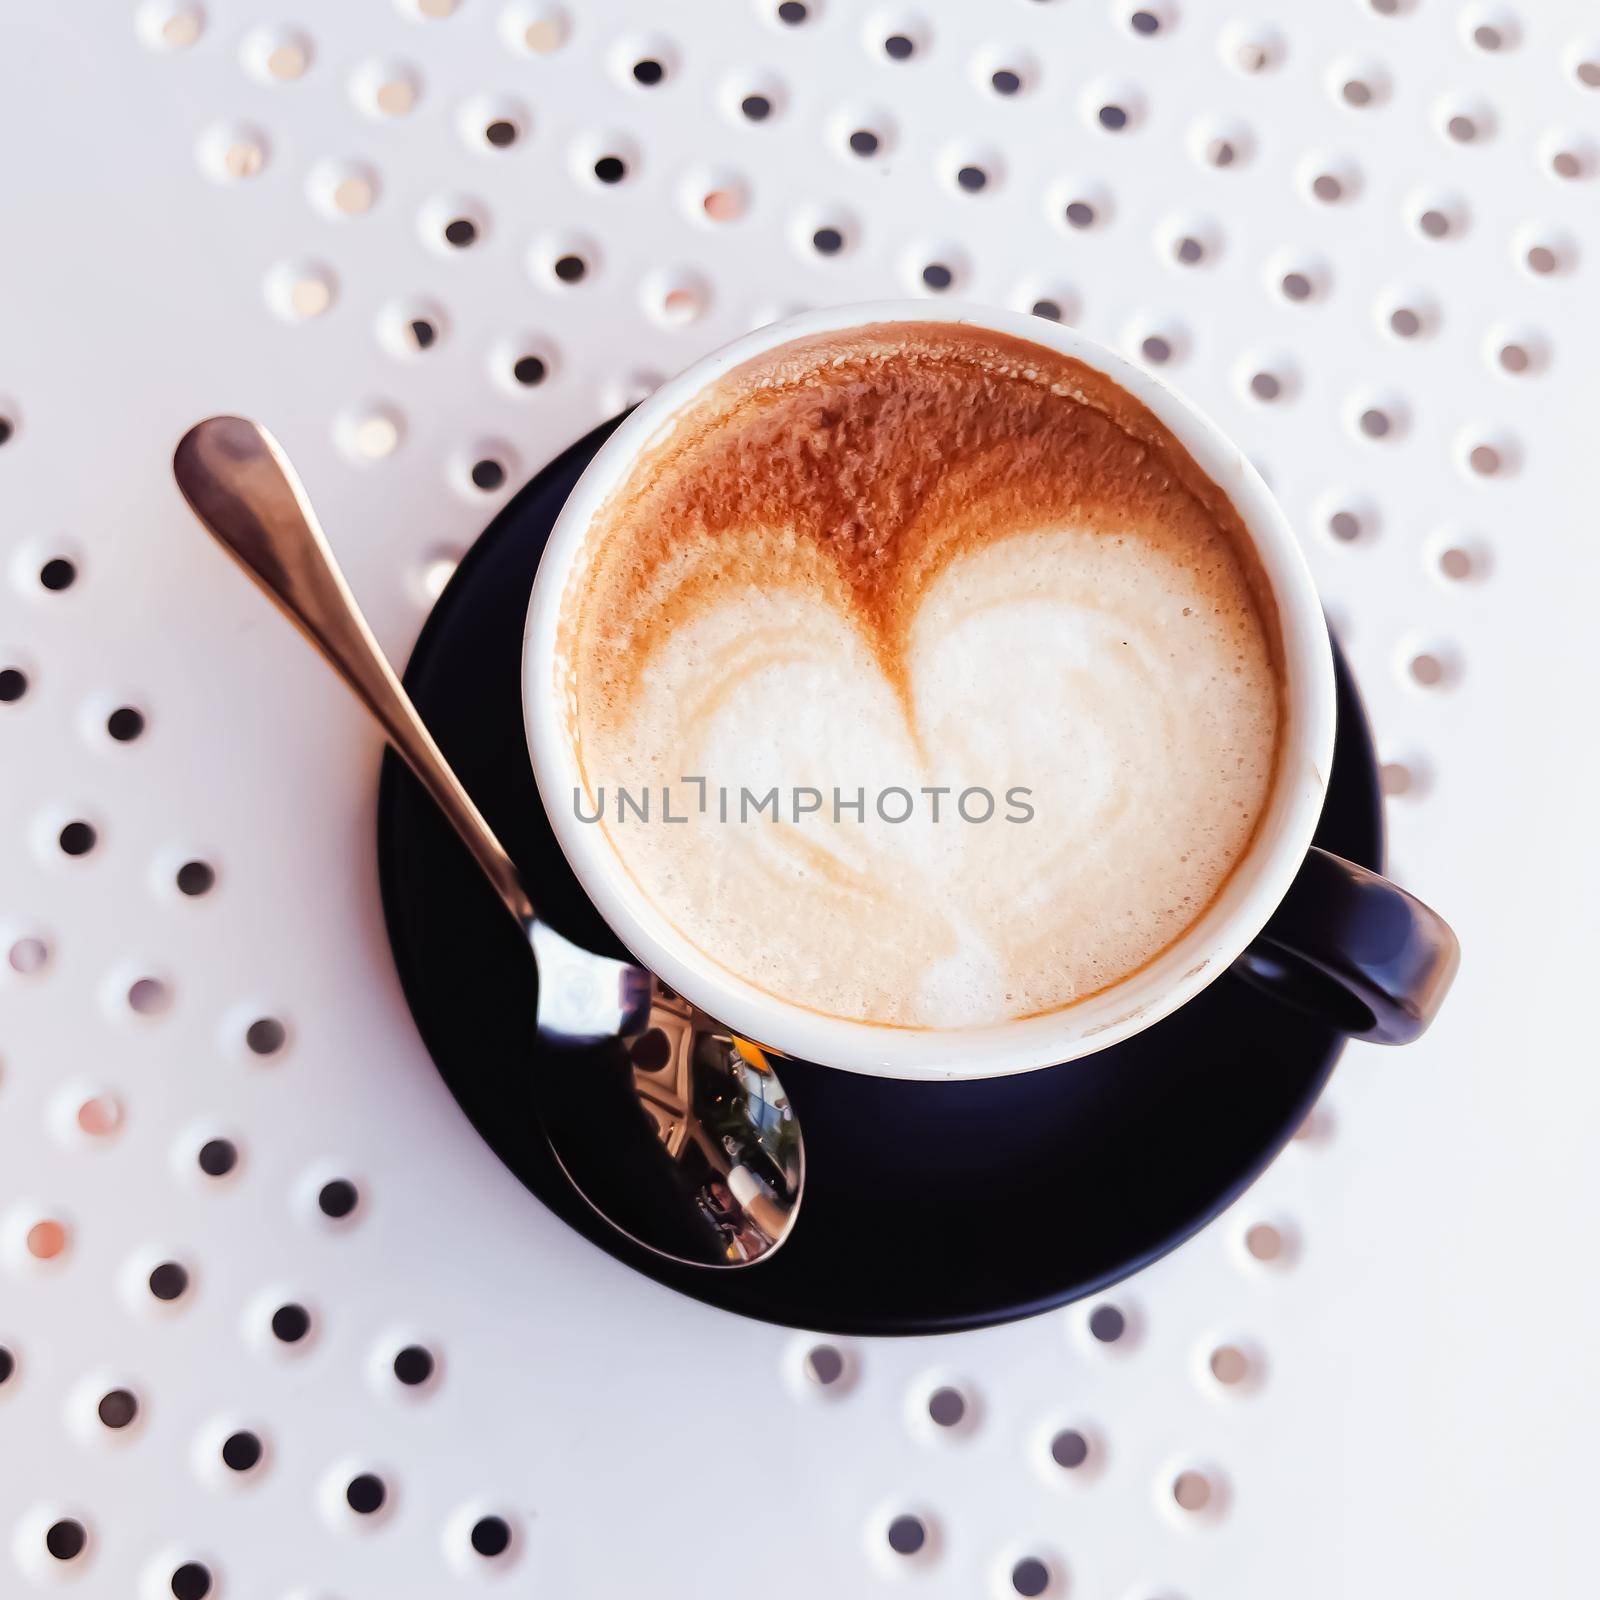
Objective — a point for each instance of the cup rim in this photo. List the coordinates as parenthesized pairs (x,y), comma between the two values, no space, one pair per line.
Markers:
(1200,955)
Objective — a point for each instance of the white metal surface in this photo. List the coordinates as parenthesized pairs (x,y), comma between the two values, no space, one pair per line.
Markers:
(242,206)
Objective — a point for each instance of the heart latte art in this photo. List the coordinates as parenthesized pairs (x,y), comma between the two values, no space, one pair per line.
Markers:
(929,560)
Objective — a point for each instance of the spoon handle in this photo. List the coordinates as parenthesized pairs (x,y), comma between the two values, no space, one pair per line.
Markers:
(240,485)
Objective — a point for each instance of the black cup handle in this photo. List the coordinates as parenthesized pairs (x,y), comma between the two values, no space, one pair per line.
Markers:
(1355,950)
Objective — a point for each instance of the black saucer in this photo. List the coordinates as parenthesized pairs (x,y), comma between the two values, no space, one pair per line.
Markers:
(928,1206)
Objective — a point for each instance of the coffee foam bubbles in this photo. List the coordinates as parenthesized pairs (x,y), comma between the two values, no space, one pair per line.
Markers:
(994,585)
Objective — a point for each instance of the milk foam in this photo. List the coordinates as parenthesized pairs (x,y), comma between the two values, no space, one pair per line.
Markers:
(1109,657)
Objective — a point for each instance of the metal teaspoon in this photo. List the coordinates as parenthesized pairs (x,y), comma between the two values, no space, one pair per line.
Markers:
(675,1131)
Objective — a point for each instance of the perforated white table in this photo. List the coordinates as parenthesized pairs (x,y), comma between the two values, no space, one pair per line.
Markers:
(430,243)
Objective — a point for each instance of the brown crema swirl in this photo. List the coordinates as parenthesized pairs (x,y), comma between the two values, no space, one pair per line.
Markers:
(859,464)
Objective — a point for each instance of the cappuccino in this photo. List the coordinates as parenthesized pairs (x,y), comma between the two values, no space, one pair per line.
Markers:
(919,677)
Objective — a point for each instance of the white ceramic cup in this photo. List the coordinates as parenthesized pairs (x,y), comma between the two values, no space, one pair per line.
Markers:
(1200,955)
